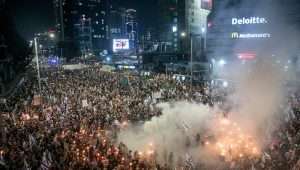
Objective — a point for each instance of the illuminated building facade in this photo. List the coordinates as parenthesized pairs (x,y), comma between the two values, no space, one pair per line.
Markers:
(242,29)
(179,21)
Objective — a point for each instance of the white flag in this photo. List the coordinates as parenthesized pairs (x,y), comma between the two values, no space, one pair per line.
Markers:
(85,103)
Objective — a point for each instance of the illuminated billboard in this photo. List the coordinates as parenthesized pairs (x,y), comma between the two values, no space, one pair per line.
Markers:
(206,4)
(237,35)
(120,44)
(249,21)
(249,28)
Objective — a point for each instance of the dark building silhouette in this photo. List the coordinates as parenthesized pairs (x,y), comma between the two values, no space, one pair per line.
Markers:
(84,23)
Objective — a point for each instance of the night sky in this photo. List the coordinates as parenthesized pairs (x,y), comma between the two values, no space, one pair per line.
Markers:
(33,16)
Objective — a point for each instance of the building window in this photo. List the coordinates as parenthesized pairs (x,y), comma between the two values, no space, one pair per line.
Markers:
(74,12)
(175,20)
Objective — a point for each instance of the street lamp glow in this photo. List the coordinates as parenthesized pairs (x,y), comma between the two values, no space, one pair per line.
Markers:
(52,35)
(183,34)
(225,84)
(174,28)
(203,30)
(222,62)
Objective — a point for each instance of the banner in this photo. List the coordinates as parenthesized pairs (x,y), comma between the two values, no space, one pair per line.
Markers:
(85,103)
(157,95)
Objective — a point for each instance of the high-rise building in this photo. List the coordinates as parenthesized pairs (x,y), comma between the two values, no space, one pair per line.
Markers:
(123,25)
(196,12)
(83,22)
(117,23)
(131,28)
(181,20)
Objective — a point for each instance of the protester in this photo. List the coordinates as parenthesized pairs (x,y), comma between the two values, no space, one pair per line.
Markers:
(74,124)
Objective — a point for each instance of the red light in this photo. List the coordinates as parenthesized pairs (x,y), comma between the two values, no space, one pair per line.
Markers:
(246,56)
(209,24)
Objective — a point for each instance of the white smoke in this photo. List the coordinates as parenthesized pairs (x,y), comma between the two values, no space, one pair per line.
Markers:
(260,93)
(259,96)
(169,132)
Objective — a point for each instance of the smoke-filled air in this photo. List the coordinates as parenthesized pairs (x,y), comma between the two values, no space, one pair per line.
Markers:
(201,134)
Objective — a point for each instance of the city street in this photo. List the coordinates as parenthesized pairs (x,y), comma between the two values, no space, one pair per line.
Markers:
(149,85)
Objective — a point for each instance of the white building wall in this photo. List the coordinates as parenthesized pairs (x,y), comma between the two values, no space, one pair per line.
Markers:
(196,16)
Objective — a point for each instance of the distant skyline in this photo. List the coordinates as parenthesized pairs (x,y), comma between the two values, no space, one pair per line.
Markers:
(32,16)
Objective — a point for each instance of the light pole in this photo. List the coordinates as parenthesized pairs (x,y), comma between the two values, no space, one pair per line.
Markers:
(51,36)
(37,64)
(191,37)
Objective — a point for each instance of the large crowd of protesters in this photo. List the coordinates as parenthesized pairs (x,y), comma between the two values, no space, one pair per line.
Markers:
(73,123)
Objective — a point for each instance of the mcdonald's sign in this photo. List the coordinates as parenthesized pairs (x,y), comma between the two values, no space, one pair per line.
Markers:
(235,35)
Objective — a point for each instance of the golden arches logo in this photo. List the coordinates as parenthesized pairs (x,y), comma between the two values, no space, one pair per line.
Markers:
(235,35)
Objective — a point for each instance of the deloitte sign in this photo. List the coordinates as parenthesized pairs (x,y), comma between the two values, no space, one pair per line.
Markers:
(248,21)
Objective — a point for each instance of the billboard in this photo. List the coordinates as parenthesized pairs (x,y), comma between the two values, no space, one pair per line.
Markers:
(206,4)
(120,44)
(249,28)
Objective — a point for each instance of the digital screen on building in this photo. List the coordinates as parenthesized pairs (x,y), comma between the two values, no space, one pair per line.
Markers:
(249,28)
(120,44)
(206,4)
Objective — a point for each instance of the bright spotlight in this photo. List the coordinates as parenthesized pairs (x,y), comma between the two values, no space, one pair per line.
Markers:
(174,28)
(222,62)
(52,35)
(225,84)
(183,34)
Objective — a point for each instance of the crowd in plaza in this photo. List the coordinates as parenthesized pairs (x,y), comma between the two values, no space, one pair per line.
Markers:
(74,123)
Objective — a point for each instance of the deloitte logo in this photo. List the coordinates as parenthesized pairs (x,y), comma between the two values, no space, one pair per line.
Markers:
(248,21)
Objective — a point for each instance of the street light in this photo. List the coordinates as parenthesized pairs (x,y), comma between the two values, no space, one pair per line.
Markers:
(37,64)
(191,37)
(222,62)
(183,34)
(52,35)
(174,28)
(225,84)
